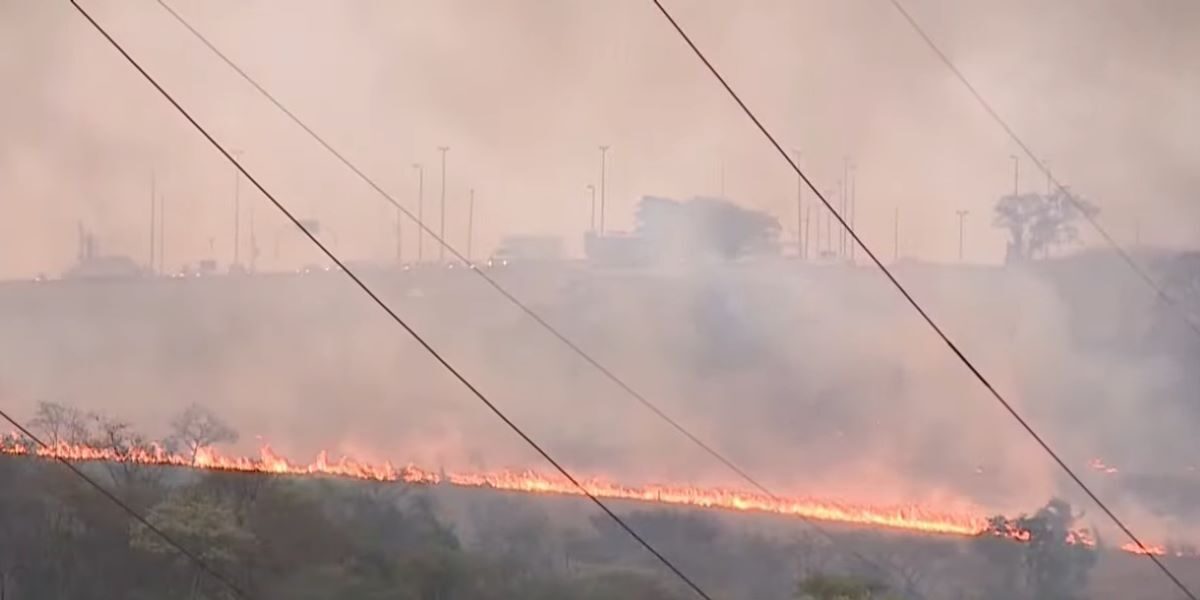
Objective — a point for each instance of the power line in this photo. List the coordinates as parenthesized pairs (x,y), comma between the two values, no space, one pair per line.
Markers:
(537,318)
(192,556)
(921,311)
(392,314)
(1128,259)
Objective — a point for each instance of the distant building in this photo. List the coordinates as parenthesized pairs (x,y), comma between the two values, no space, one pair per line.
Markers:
(617,250)
(105,267)
(525,248)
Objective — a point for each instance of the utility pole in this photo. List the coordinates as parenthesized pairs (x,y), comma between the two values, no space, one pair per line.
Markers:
(1049,178)
(442,222)
(420,212)
(603,173)
(237,207)
(591,188)
(470,225)
(962,217)
(1016,174)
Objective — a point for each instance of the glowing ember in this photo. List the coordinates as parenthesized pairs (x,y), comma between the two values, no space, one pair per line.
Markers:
(908,518)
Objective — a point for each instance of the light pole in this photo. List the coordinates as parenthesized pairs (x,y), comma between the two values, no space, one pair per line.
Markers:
(153,219)
(470,225)
(420,212)
(591,188)
(237,207)
(853,208)
(896,236)
(845,205)
(399,238)
(962,217)
(442,221)
(1016,174)
(801,242)
(603,172)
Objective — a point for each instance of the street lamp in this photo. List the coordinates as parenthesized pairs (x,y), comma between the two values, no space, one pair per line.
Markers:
(1016,174)
(962,217)
(237,206)
(420,212)
(801,241)
(591,188)
(442,222)
(603,156)
(470,225)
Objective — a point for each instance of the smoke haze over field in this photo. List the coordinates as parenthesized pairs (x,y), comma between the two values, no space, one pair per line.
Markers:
(816,378)
(523,92)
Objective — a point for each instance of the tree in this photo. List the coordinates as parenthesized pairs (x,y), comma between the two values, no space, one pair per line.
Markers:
(61,423)
(1038,223)
(205,527)
(197,427)
(1051,561)
(1057,562)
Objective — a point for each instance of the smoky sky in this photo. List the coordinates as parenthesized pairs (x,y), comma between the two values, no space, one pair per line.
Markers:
(821,382)
(524,91)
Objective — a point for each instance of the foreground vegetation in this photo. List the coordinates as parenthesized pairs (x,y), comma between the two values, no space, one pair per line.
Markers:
(322,538)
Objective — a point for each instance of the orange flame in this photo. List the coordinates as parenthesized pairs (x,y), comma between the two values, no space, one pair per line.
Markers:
(1098,465)
(912,518)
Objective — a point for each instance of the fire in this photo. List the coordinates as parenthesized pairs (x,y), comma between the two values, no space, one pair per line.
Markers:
(1149,549)
(1098,465)
(913,518)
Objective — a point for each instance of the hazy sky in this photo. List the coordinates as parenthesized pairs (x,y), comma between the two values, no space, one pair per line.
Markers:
(524,90)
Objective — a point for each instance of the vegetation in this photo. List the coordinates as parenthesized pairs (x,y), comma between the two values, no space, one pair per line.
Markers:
(301,539)
(1038,224)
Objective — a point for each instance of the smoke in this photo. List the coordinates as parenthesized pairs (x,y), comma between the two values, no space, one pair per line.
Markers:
(523,93)
(822,380)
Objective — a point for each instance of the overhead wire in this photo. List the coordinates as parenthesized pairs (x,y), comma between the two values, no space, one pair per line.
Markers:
(1142,273)
(978,375)
(187,553)
(575,348)
(437,356)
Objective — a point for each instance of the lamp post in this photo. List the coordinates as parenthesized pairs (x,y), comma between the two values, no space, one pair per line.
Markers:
(1016,174)
(420,212)
(470,225)
(603,167)
(591,188)
(962,217)
(442,221)
(237,207)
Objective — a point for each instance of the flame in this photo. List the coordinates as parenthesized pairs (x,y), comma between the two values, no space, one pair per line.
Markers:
(1098,465)
(912,518)
(1148,549)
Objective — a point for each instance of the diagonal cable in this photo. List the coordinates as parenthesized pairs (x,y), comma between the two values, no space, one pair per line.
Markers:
(522,306)
(1141,272)
(1012,411)
(392,314)
(200,564)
